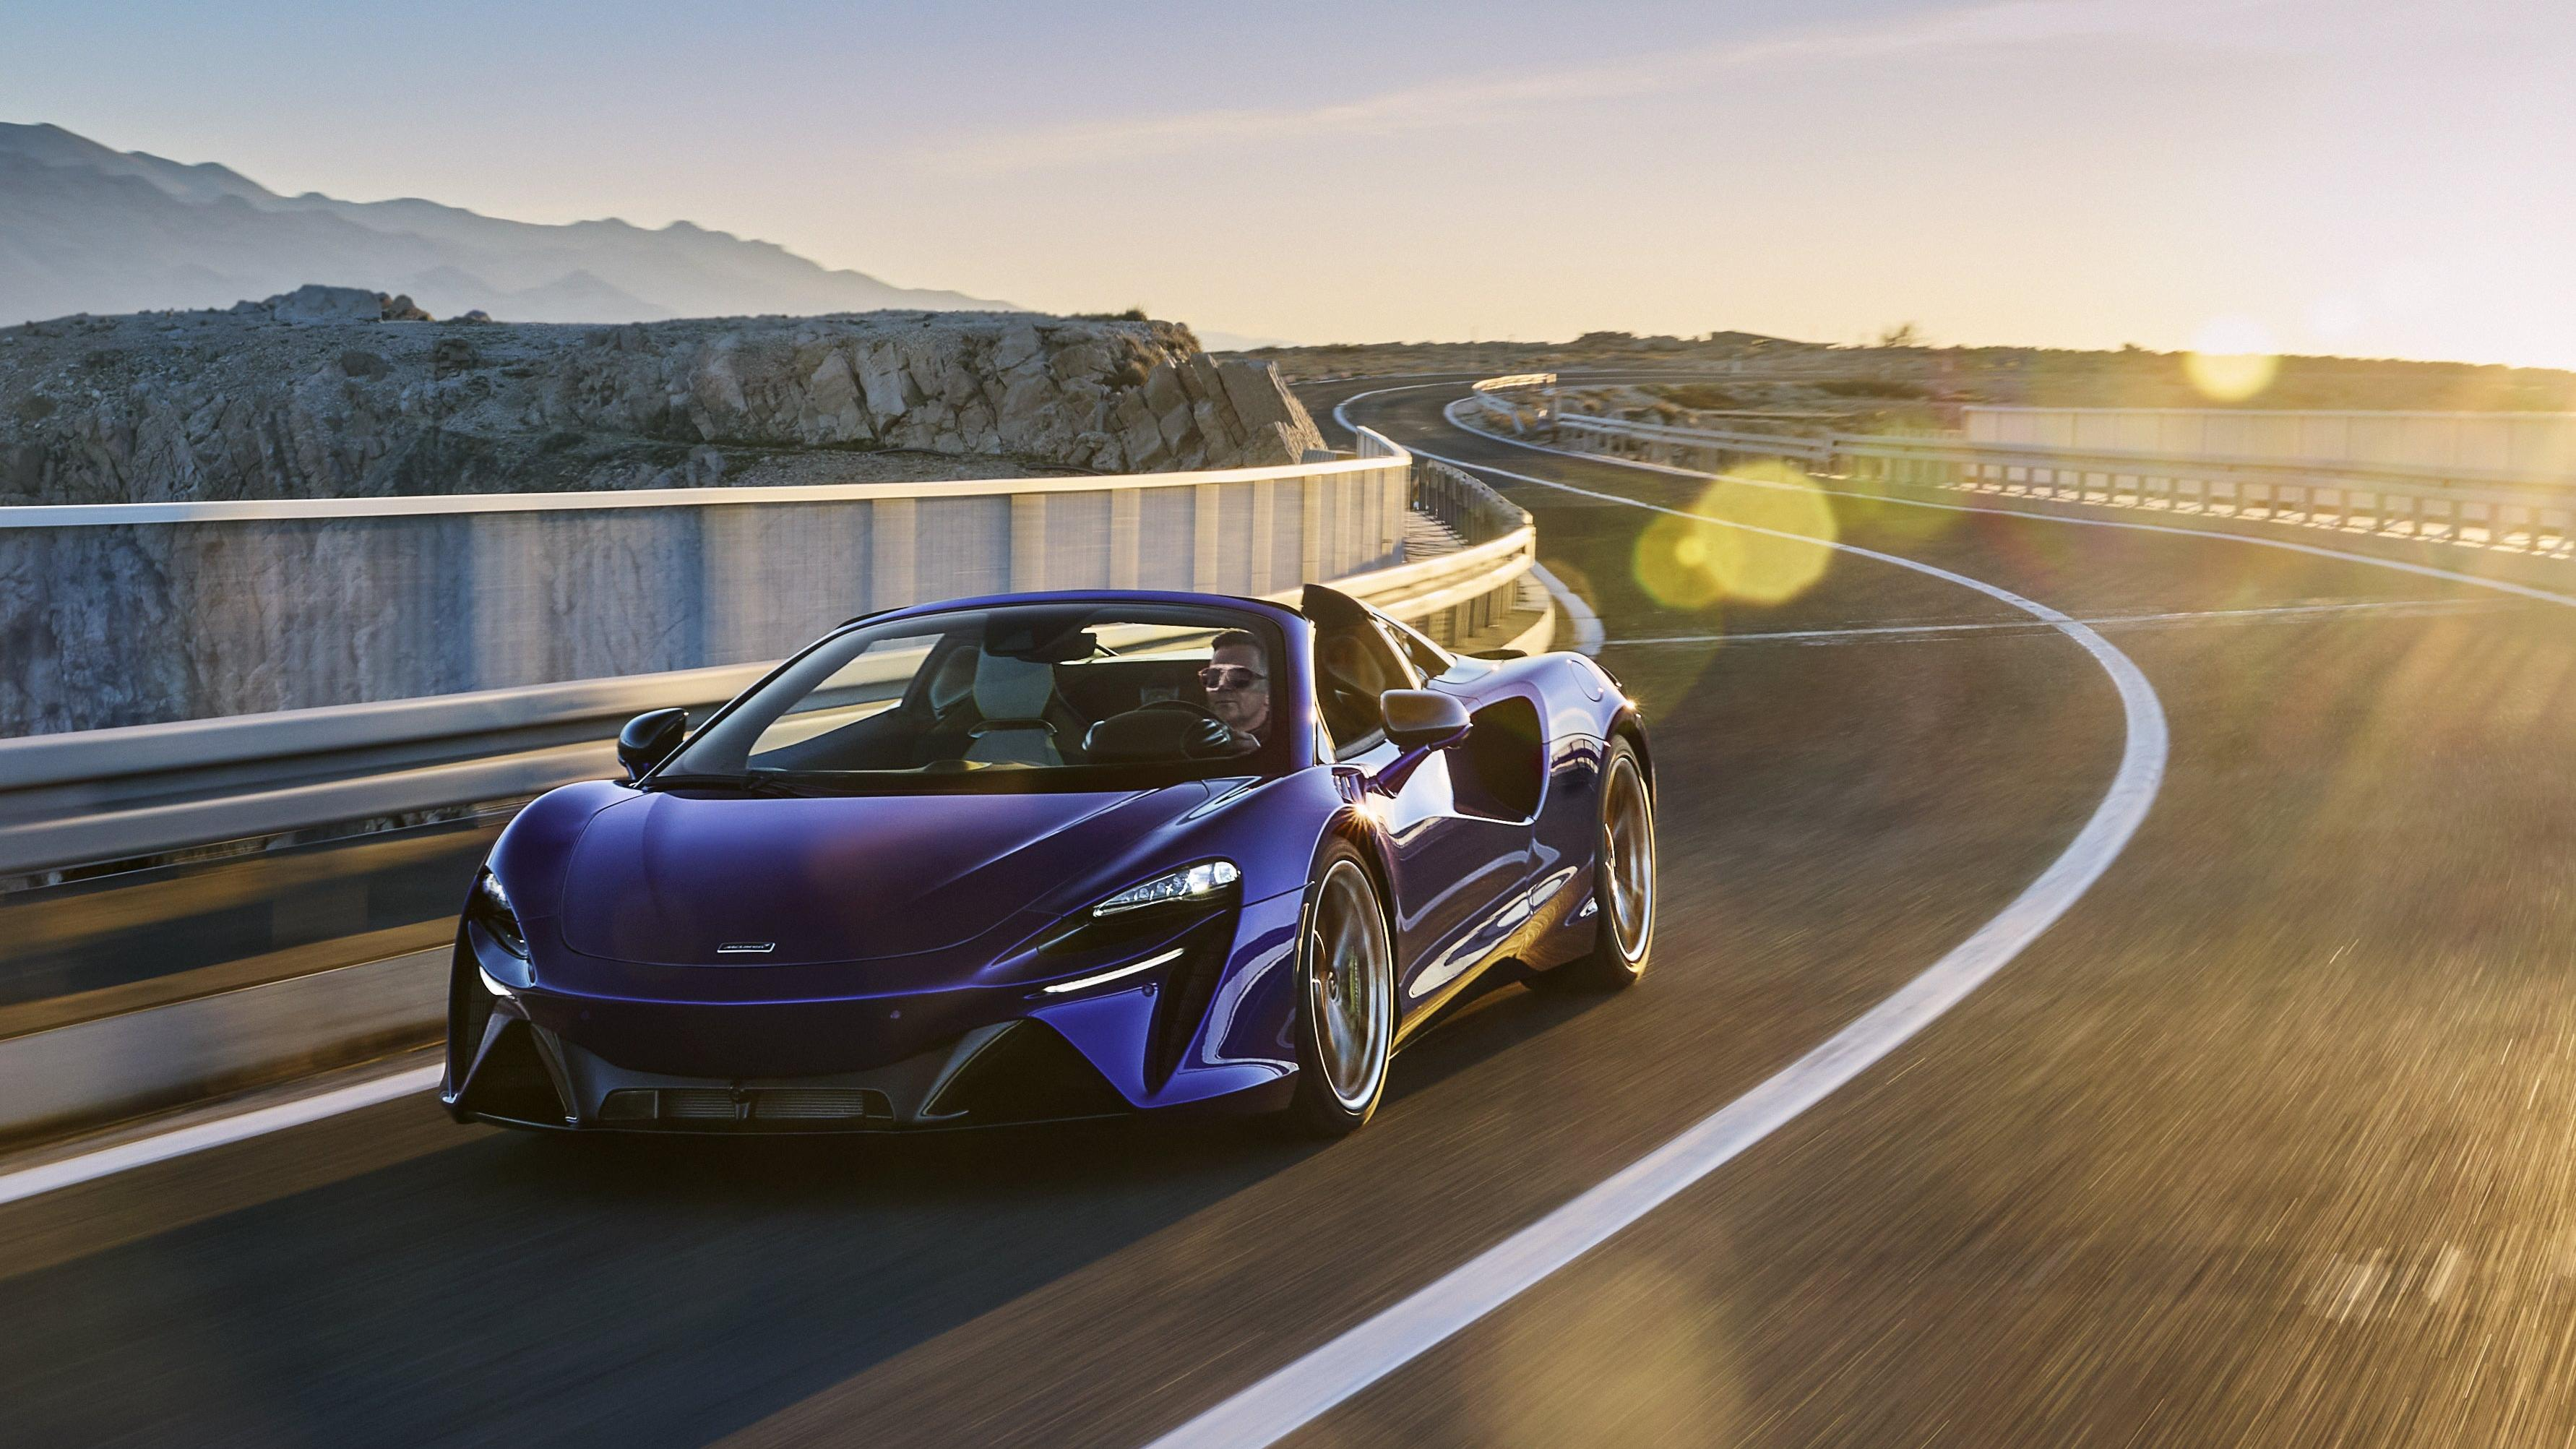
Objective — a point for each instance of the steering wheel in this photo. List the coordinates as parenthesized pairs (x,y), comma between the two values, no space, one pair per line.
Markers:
(1238,742)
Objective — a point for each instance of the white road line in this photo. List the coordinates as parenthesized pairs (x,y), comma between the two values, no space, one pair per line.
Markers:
(1295,1395)
(1341,413)
(1869,631)
(1588,634)
(1449,414)
(2404,607)
(179,1142)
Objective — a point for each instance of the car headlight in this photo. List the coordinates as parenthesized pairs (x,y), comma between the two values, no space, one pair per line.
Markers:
(1190,883)
(489,907)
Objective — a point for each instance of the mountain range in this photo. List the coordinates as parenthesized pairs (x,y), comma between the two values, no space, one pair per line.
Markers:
(84,228)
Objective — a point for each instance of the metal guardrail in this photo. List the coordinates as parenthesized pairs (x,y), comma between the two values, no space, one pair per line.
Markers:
(1482,584)
(2509,445)
(1815,450)
(2535,515)
(1490,396)
(114,794)
(1466,505)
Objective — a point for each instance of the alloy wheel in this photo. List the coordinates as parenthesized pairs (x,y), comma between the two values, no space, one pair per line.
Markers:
(1628,859)
(1350,984)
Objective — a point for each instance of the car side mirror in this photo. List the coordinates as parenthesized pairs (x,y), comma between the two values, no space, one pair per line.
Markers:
(649,739)
(1423,719)
(1420,723)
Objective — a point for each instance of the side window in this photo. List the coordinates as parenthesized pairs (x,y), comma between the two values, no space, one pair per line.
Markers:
(1502,771)
(1400,671)
(1354,664)
(1429,659)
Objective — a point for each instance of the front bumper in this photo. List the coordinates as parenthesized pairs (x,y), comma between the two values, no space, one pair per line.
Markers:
(1209,1029)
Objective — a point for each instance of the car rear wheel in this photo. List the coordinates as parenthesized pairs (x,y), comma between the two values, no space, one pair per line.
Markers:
(1346,1001)
(1623,886)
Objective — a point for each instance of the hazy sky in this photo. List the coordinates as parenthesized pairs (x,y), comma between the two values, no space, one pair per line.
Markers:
(2375,177)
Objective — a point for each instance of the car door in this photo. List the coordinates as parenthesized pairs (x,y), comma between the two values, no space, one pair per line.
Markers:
(1460,867)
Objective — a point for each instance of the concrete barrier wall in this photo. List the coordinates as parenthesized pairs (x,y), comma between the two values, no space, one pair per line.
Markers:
(140,1061)
(144,613)
(2538,446)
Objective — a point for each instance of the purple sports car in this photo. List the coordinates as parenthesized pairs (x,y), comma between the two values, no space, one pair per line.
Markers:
(1054,855)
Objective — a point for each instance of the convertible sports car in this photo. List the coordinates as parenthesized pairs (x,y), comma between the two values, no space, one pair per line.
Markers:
(1055,855)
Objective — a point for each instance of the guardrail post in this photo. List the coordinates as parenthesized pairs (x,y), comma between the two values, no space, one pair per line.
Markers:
(1265,535)
(893,552)
(1028,542)
(1310,528)
(743,615)
(1126,536)
(1393,493)
(1203,544)
(508,561)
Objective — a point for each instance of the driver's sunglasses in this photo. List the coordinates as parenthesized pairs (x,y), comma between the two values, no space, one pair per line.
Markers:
(1228,676)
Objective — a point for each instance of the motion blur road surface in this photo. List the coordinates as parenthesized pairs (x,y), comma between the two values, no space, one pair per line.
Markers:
(2267,1141)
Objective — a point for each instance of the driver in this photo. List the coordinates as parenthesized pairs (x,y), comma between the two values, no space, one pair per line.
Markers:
(1237,680)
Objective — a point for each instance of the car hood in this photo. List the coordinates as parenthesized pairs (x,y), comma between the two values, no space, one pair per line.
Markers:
(669,877)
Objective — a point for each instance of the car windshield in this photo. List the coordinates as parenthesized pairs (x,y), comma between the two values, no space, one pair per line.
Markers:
(1019,697)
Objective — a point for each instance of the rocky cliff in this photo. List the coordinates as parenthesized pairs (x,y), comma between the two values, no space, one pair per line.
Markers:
(253,403)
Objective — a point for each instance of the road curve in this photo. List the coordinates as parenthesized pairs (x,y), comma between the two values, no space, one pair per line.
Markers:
(2263,1141)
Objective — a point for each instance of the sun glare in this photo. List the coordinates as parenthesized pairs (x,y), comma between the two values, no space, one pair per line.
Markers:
(2233,359)
(1760,536)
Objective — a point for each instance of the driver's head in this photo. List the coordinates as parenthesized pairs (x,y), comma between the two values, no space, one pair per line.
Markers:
(1237,681)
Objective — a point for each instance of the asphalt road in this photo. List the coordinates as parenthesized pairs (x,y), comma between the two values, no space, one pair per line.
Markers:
(2267,1141)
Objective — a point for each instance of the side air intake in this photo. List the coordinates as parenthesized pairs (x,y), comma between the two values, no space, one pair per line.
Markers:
(1027,1074)
(512,1081)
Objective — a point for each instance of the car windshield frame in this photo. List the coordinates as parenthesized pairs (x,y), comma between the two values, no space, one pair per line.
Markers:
(725,754)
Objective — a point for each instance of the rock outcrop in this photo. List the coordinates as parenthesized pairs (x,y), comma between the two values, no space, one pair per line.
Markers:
(313,302)
(309,396)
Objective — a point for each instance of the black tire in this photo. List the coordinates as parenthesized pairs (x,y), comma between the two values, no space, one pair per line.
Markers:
(1623,883)
(1345,1026)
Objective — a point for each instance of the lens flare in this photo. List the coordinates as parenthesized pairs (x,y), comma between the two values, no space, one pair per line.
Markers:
(1763,535)
(2231,360)
(1672,563)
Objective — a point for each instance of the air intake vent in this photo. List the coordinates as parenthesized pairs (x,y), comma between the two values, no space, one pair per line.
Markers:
(699,1104)
(627,1106)
(801,1105)
(779,1107)
(512,1081)
(1027,1074)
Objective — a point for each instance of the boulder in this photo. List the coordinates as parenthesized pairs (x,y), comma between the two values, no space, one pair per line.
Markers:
(310,304)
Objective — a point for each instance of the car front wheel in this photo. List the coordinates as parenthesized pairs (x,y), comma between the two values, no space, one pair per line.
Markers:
(1346,1001)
